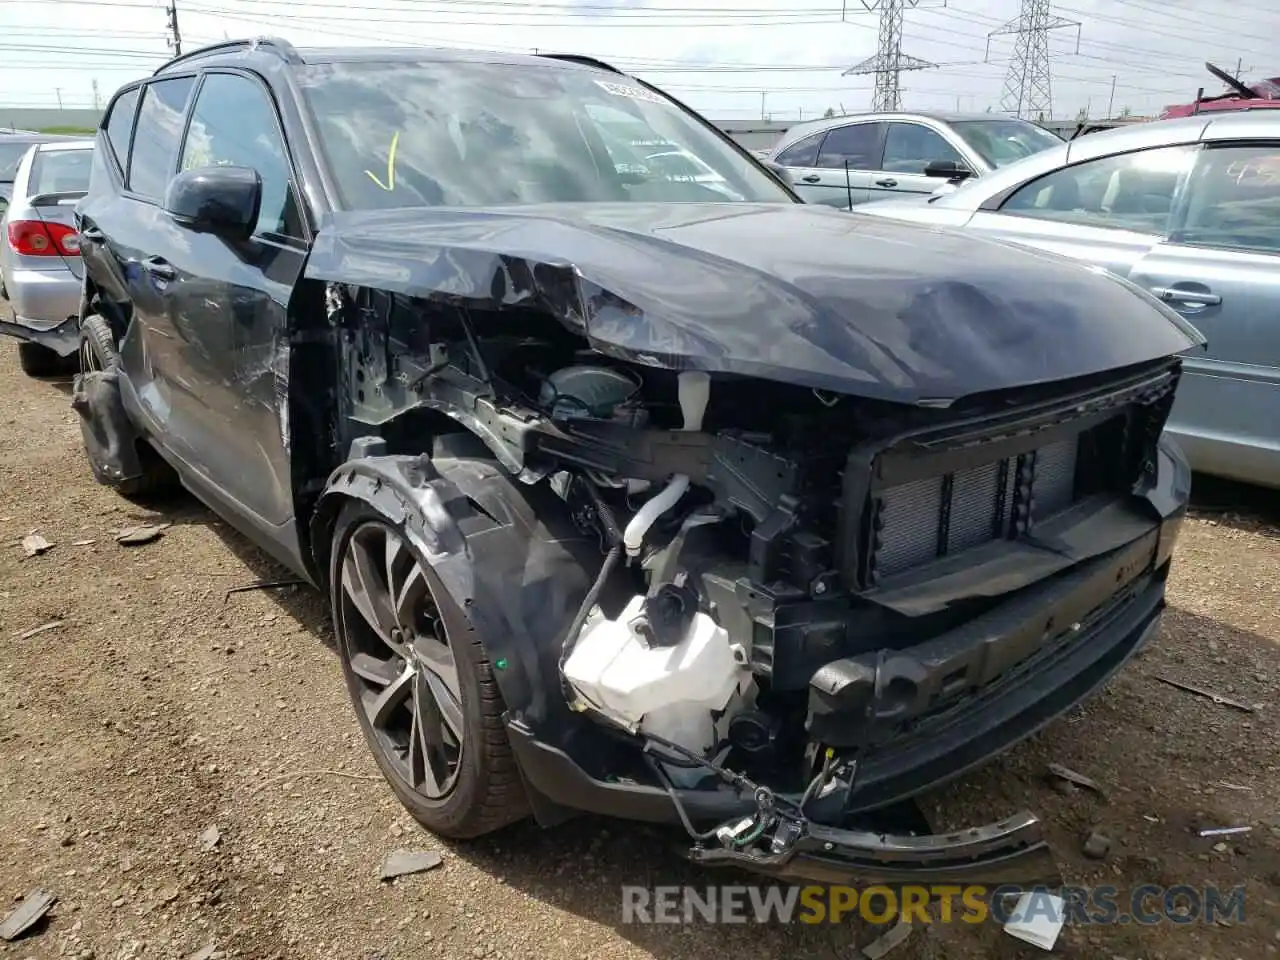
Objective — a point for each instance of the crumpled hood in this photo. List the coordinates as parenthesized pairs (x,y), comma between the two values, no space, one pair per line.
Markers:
(790,292)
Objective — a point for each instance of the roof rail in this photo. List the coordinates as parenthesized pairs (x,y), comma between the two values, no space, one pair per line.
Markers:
(283,47)
(583,61)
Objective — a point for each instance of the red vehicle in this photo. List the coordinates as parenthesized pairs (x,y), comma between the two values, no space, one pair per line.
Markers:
(1261,95)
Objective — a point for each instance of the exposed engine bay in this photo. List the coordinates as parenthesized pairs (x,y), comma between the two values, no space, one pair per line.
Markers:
(790,580)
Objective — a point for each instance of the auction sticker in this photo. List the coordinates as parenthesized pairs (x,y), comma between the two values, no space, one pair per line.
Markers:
(634,93)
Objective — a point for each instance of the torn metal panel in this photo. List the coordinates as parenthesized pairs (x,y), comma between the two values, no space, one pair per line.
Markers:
(847,304)
(109,435)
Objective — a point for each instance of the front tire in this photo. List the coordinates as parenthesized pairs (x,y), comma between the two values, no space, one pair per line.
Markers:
(425,697)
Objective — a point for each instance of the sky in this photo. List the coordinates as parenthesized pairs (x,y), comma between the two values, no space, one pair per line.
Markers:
(735,60)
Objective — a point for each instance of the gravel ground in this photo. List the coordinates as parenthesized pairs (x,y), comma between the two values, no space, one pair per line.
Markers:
(159,708)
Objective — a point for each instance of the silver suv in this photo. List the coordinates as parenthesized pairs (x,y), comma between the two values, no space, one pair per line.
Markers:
(843,161)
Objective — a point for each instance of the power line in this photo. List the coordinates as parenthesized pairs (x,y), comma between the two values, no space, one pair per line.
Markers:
(889,60)
(1027,86)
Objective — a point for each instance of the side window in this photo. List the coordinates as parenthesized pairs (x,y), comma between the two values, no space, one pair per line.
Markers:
(858,145)
(159,131)
(804,153)
(1130,191)
(234,124)
(910,147)
(120,125)
(1233,200)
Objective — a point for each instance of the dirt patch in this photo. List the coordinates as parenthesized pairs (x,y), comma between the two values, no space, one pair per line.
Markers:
(157,708)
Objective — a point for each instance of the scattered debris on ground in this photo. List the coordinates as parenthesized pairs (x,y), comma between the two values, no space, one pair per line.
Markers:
(33,545)
(264,585)
(400,863)
(1037,919)
(1096,845)
(1067,775)
(35,631)
(26,914)
(1207,694)
(883,945)
(1224,831)
(136,536)
(210,838)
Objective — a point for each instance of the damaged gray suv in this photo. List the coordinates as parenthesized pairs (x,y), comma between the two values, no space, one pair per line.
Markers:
(663,497)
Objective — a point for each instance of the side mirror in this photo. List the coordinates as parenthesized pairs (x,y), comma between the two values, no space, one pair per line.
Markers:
(951,169)
(781,172)
(223,201)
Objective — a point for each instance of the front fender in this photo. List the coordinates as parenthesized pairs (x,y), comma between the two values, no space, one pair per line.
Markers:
(503,560)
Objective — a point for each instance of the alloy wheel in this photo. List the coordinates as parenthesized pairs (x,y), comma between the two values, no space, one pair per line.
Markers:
(405,673)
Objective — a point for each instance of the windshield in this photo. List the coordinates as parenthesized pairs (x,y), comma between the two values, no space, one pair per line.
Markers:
(11,155)
(406,134)
(1000,142)
(60,171)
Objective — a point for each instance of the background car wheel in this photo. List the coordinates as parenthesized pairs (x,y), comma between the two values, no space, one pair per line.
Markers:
(426,700)
(98,353)
(38,361)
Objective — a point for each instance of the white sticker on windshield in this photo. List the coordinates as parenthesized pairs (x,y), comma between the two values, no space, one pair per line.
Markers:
(626,90)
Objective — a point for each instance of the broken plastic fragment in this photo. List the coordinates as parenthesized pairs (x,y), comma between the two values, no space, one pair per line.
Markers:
(33,545)
(882,945)
(25,915)
(43,628)
(402,862)
(1037,919)
(136,536)
(211,837)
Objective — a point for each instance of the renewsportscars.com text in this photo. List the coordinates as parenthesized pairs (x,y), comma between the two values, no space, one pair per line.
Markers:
(1146,904)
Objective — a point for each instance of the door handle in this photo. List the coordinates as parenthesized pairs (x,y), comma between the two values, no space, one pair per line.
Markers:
(1195,298)
(887,182)
(159,268)
(92,234)
(811,178)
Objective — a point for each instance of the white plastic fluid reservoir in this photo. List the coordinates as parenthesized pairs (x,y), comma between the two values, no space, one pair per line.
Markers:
(668,691)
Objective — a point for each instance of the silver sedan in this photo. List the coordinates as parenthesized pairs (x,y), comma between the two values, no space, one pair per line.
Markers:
(1188,209)
(40,265)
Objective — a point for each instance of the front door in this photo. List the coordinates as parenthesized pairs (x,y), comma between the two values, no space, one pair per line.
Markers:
(230,299)
(908,149)
(1221,270)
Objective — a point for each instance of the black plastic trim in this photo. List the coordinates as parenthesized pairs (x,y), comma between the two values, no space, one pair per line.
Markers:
(64,339)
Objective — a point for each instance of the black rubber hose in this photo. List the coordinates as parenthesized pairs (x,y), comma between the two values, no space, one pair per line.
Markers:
(611,559)
(698,837)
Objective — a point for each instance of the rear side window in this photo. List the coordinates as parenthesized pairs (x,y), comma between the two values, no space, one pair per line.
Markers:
(159,132)
(1128,191)
(858,146)
(1233,200)
(60,171)
(804,153)
(11,155)
(120,125)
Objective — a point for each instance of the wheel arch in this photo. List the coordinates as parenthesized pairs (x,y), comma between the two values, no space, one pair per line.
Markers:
(504,554)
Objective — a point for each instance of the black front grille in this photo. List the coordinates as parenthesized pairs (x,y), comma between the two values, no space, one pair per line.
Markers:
(924,519)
